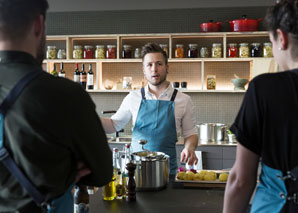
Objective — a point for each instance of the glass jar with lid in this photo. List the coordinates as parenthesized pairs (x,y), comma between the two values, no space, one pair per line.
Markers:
(111,51)
(232,50)
(267,50)
(204,52)
(216,50)
(255,50)
(77,52)
(100,52)
(165,48)
(61,54)
(211,82)
(126,51)
(51,52)
(243,50)
(137,53)
(179,51)
(192,51)
(88,52)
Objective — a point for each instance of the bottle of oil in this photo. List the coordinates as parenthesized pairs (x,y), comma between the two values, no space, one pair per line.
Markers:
(119,186)
(109,190)
(81,199)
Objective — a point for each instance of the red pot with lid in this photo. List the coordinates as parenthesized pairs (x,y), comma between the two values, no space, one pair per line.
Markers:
(211,26)
(244,24)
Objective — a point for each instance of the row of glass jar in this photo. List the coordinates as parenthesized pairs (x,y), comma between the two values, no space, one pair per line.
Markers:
(193,52)
(52,53)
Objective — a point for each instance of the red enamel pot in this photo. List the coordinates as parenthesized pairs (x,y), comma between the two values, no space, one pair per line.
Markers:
(210,26)
(244,24)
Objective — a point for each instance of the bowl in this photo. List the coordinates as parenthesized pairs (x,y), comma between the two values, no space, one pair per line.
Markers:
(239,83)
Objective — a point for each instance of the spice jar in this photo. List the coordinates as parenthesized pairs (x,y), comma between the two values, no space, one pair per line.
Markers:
(211,82)
(165,48)
(232,50)
(111,51)
(179,51)
(137,53)
(61,54)
(77,52)
(88,52)
(126,51)
(100,52)
(267,50)
(216,50)
(255,50)
(51,52)
(243,50)
(204,53)
(192,51)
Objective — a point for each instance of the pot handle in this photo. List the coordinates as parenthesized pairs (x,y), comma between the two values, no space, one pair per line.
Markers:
(244,16)
(219,22)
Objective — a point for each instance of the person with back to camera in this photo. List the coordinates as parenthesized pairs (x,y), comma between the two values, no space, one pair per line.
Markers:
(158,112)
(266,126)
(50,134)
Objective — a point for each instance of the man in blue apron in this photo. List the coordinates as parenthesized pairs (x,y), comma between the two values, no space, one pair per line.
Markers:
(158,112)
(47,124)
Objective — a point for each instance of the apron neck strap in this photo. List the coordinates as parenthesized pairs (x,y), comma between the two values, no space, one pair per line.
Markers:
(174,95)
(143,93)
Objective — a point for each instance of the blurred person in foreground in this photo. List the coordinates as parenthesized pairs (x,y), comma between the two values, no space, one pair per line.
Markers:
(50,134)
(267,128)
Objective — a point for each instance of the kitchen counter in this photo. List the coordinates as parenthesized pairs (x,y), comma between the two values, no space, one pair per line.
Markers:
(174,198)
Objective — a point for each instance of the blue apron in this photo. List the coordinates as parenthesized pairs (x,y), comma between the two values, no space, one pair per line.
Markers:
(156,124)
(64,203)
(271,194)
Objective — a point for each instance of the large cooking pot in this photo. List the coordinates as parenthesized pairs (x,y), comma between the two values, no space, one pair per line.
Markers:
(212,132)
(152,170)
(211,26)
(244,24)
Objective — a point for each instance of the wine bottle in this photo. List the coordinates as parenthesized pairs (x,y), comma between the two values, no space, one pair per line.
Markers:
(76,76)
(83,77)
(90,78)
(54,72)
(61,72)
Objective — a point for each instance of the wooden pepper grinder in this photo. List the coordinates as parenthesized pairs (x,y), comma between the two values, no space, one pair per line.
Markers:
(131,186)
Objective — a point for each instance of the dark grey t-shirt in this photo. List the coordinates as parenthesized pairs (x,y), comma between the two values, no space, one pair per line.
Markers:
(51,126)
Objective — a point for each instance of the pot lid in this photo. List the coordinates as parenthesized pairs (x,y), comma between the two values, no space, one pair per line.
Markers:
(148,155)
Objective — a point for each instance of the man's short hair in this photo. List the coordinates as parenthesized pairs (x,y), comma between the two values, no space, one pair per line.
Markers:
(16,16)
(153,48)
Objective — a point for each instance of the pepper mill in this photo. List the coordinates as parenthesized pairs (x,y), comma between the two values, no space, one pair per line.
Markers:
(131,186)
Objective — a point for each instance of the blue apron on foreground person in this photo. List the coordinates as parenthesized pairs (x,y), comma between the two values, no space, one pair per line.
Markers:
(158,112)
(266,126)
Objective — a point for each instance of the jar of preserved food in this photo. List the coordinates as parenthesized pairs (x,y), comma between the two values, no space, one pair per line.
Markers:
(204,53)
(137,53)
(216,50)
(232,50)
(61,54)
(267,50)
(211,82)
(243,50)
(126,51)
(51,52)
(255,50)
(179,51)
(88,52)
(77,52)
(127,82)
(100,52)
(165,48)
(192,51)
(111,51)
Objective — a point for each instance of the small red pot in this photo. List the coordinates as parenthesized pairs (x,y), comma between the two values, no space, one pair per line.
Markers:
(211,26)
(244,24)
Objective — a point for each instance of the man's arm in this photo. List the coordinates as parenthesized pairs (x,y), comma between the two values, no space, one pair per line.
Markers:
(241,181)
(188,153)
(108,125)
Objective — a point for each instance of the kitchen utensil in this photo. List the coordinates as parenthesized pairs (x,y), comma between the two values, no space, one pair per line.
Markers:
(239,83)
(244,24)
(212,132)
(152,170)
(211,26)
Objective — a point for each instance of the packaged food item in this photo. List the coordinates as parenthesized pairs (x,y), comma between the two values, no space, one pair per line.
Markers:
(192,51)
(243,50)
(77,52)
(179,51)
(88,52)
(100,52)
(111,51)
(211,82)
(255,50)
(267,50)
(126,51)
(204,53)
(51,52)
(216,50)
(165,48)
(232,50)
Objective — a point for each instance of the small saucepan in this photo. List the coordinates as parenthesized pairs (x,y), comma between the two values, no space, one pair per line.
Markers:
(211,26)
(244,24)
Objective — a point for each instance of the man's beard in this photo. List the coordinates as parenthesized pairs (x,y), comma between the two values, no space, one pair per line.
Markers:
(41,49)
(158,83)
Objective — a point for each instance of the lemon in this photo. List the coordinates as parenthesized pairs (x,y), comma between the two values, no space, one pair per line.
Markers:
(210,176)
(188,175)
(223,177)
(201,174)
(180,175)
(198,176)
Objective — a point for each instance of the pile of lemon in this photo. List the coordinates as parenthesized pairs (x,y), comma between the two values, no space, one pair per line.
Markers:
(203,175)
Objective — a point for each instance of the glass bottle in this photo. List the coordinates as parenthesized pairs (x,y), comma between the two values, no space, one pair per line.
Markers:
(165,48)
(243,50)
(267,50)
(77,52)
(76,74)
(90,78)
(126,51)
(137,53)
(255,50)
(100,52)
(61,72)
(83,77)
(119,186)
(232,50)
(179,51)
(111,51)
(51,52)
(81,199)
(88,52)
(61,54)
(216,50)
(192,51)
(54,72)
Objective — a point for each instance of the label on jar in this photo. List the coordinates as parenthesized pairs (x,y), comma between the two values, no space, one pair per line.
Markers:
(89,79)
(81,208)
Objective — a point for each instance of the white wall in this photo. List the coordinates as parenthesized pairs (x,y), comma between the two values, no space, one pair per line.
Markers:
(102,5)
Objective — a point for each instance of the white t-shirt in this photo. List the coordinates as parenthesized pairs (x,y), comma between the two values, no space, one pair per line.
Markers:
(184,110)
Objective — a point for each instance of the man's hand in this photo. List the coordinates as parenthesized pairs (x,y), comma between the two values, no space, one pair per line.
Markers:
(188,156)
(82,171)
